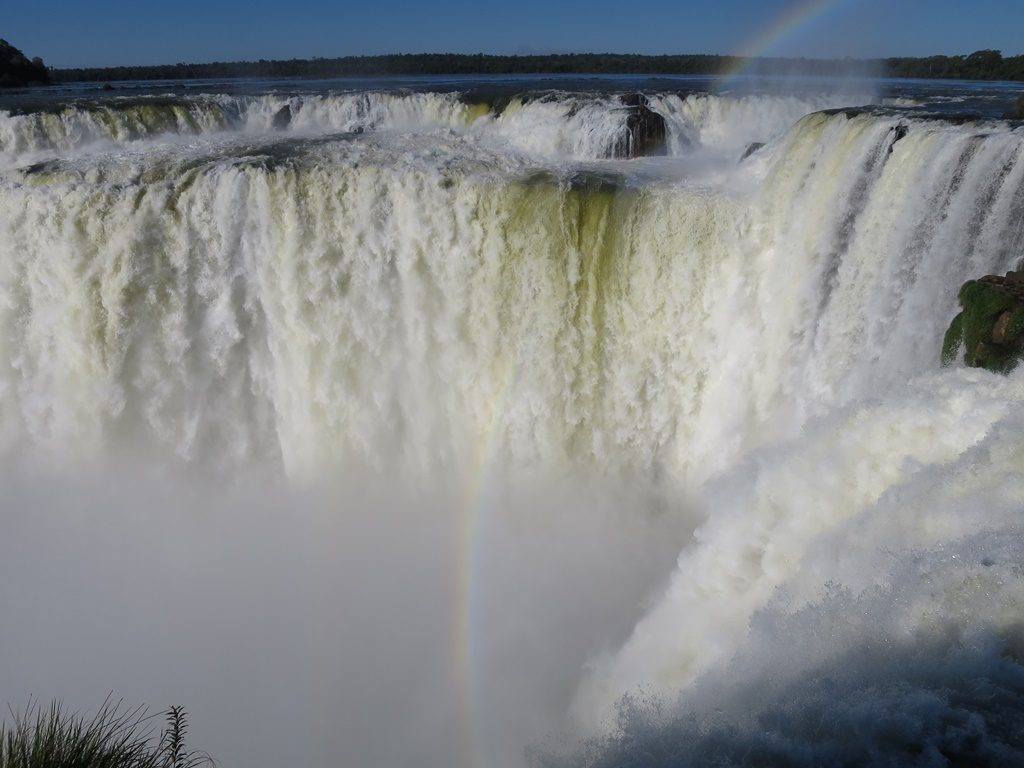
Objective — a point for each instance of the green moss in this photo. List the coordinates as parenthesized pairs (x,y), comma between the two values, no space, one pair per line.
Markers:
(972,329)
(953,340)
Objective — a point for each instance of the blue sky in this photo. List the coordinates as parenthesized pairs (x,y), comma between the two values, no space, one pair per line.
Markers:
(108,32)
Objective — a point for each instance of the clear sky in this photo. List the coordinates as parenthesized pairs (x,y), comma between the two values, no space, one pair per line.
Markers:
(108,32)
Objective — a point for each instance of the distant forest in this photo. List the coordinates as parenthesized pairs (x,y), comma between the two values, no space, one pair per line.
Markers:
(981,65)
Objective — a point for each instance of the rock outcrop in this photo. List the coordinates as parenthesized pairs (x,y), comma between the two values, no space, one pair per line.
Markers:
(283,117)
(898,133)
(990,329)
(16,71)
(1017,113)
(753,147)
(645,132)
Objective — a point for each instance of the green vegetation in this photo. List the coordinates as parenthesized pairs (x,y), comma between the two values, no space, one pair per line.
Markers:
(17,71)
(414,64)
(980,65)
(990,329)
(113,738)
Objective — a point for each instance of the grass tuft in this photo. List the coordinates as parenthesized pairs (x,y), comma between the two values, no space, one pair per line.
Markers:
(115,737)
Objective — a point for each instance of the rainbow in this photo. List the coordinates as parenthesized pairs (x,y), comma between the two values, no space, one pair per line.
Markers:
(473,505)
(797,16)
(481,466)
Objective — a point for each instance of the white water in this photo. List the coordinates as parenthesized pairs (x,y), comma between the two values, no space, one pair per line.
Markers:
(552,125)
(752,349)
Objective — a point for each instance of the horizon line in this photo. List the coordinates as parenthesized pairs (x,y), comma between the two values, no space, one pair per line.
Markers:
(728,56)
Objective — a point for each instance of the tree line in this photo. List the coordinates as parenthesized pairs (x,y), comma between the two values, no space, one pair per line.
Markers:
(17,71)
(981,65)
(426,64)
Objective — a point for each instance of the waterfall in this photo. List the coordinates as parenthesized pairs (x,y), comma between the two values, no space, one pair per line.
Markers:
(402,287)
(317,304)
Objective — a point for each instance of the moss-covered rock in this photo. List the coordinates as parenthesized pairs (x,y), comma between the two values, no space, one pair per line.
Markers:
(17,71)
(990,329)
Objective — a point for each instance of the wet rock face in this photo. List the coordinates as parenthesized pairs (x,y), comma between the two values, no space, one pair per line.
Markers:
(283,117)
(990,329)
(751,149)
(16,71)
(1012,284)
(1017,113)
(898,133)
(645,132)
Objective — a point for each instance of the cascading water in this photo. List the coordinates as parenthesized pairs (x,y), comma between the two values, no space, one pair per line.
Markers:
(551,125)
(429,289)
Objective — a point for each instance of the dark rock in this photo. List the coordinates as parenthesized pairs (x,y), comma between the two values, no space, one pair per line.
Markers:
(1017,113)
(751,149)
(1012,284)
(283,117)
(107,87)
(16,71)
(1001,329)
(899,132)
(645,131)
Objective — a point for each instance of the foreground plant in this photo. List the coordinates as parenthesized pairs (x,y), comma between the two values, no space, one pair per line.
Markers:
(113,738)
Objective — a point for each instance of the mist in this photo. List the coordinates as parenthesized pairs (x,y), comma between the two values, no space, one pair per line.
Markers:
(322,626)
